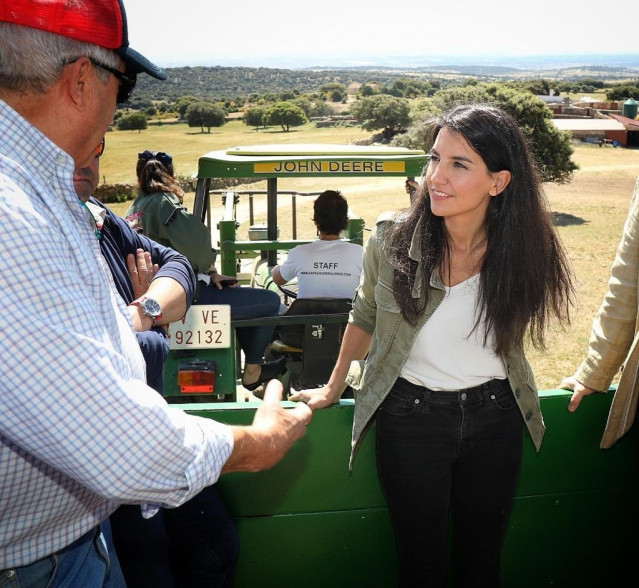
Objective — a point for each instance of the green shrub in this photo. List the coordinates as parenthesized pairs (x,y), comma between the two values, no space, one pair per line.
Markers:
(109,193)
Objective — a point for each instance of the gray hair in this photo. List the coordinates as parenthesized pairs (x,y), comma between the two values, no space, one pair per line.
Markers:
(31,60)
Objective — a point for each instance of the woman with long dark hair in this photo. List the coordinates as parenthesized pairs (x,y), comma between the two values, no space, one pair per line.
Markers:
(158,213)
(448,292)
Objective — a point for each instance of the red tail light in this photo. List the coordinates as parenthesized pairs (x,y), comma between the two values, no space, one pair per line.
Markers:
(197,377)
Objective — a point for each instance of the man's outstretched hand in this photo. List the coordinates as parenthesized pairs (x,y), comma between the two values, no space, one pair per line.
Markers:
(274,430)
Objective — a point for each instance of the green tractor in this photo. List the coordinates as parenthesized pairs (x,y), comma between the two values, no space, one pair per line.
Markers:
(203,364)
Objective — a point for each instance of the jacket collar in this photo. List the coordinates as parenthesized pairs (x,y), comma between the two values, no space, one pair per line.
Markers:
(415,253)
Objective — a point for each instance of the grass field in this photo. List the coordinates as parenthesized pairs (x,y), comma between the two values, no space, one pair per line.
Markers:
(590,211)
(187,144)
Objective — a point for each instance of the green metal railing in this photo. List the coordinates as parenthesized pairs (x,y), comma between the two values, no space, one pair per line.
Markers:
(231,247)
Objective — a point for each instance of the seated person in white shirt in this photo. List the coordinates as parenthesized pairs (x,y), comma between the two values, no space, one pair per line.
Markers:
(328,267)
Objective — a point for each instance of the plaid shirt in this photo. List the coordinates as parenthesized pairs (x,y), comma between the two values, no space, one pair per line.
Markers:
(80,432)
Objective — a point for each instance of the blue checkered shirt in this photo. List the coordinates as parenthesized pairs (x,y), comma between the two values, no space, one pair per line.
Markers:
(80,432)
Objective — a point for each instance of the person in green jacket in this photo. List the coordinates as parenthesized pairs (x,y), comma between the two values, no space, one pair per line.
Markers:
(449,290)
(158,213)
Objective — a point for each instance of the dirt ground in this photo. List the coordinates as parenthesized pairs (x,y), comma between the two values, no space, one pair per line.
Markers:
(589,213)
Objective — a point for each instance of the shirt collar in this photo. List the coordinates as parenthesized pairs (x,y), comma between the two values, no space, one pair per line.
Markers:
(27,145)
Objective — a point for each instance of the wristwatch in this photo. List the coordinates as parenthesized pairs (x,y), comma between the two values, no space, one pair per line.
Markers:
(150,308)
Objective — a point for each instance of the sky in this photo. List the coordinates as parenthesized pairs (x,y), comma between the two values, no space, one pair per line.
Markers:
(303,33)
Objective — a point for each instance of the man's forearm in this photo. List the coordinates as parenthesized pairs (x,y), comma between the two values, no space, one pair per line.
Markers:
(172,298)
(277,276)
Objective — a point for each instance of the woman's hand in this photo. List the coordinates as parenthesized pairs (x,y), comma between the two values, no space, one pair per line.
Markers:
(316,398)
(355,345)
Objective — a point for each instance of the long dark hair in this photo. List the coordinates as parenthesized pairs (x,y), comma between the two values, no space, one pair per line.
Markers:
(525,276)
(155,173)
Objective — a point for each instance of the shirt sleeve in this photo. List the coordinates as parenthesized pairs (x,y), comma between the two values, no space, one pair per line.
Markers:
(172,264)
(290,268)
(364,313)
(72,398)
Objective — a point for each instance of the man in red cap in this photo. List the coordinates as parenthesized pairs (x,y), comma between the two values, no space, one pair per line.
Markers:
(80,432)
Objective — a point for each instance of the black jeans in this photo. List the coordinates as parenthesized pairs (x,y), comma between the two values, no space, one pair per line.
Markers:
(457,452)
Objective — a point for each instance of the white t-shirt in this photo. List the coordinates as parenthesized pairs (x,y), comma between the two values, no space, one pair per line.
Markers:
(445,354)
(324,269)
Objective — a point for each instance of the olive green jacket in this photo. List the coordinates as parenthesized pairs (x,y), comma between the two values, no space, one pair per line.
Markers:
(614,337)
(376,311)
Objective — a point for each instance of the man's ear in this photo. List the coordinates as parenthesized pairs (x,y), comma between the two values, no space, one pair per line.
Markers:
(500,182)
(78,82)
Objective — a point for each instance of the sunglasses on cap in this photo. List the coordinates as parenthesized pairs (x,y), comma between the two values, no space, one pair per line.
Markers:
(164,158)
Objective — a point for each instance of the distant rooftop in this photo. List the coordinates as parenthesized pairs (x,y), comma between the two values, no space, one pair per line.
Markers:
(588,124)
(630,123)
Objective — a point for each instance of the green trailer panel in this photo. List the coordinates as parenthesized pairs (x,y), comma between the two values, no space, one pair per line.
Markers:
(311,522)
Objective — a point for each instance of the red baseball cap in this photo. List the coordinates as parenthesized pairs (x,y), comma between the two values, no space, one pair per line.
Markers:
(100,22)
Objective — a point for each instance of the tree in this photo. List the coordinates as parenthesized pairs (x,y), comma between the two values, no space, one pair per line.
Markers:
(623,92)
(205,114)
(331,87)
(286,115)
(254,117)
(542,87)
(550,147)
(305,104)
(288,95)
(132,122)
(313,107)
(183,103)
(366,90)
(382,112)
(320,108)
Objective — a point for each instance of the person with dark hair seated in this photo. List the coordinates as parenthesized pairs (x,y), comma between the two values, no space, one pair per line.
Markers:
(158,213)
(328,267)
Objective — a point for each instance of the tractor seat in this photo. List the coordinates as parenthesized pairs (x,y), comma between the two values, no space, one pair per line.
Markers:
(292,336)
(312,348)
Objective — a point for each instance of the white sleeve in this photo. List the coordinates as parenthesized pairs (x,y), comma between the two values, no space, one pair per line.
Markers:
(291,267)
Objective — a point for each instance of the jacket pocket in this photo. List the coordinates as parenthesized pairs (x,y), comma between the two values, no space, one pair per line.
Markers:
(385,298)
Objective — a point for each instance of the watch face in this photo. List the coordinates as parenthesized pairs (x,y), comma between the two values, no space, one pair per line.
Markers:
(151,308)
